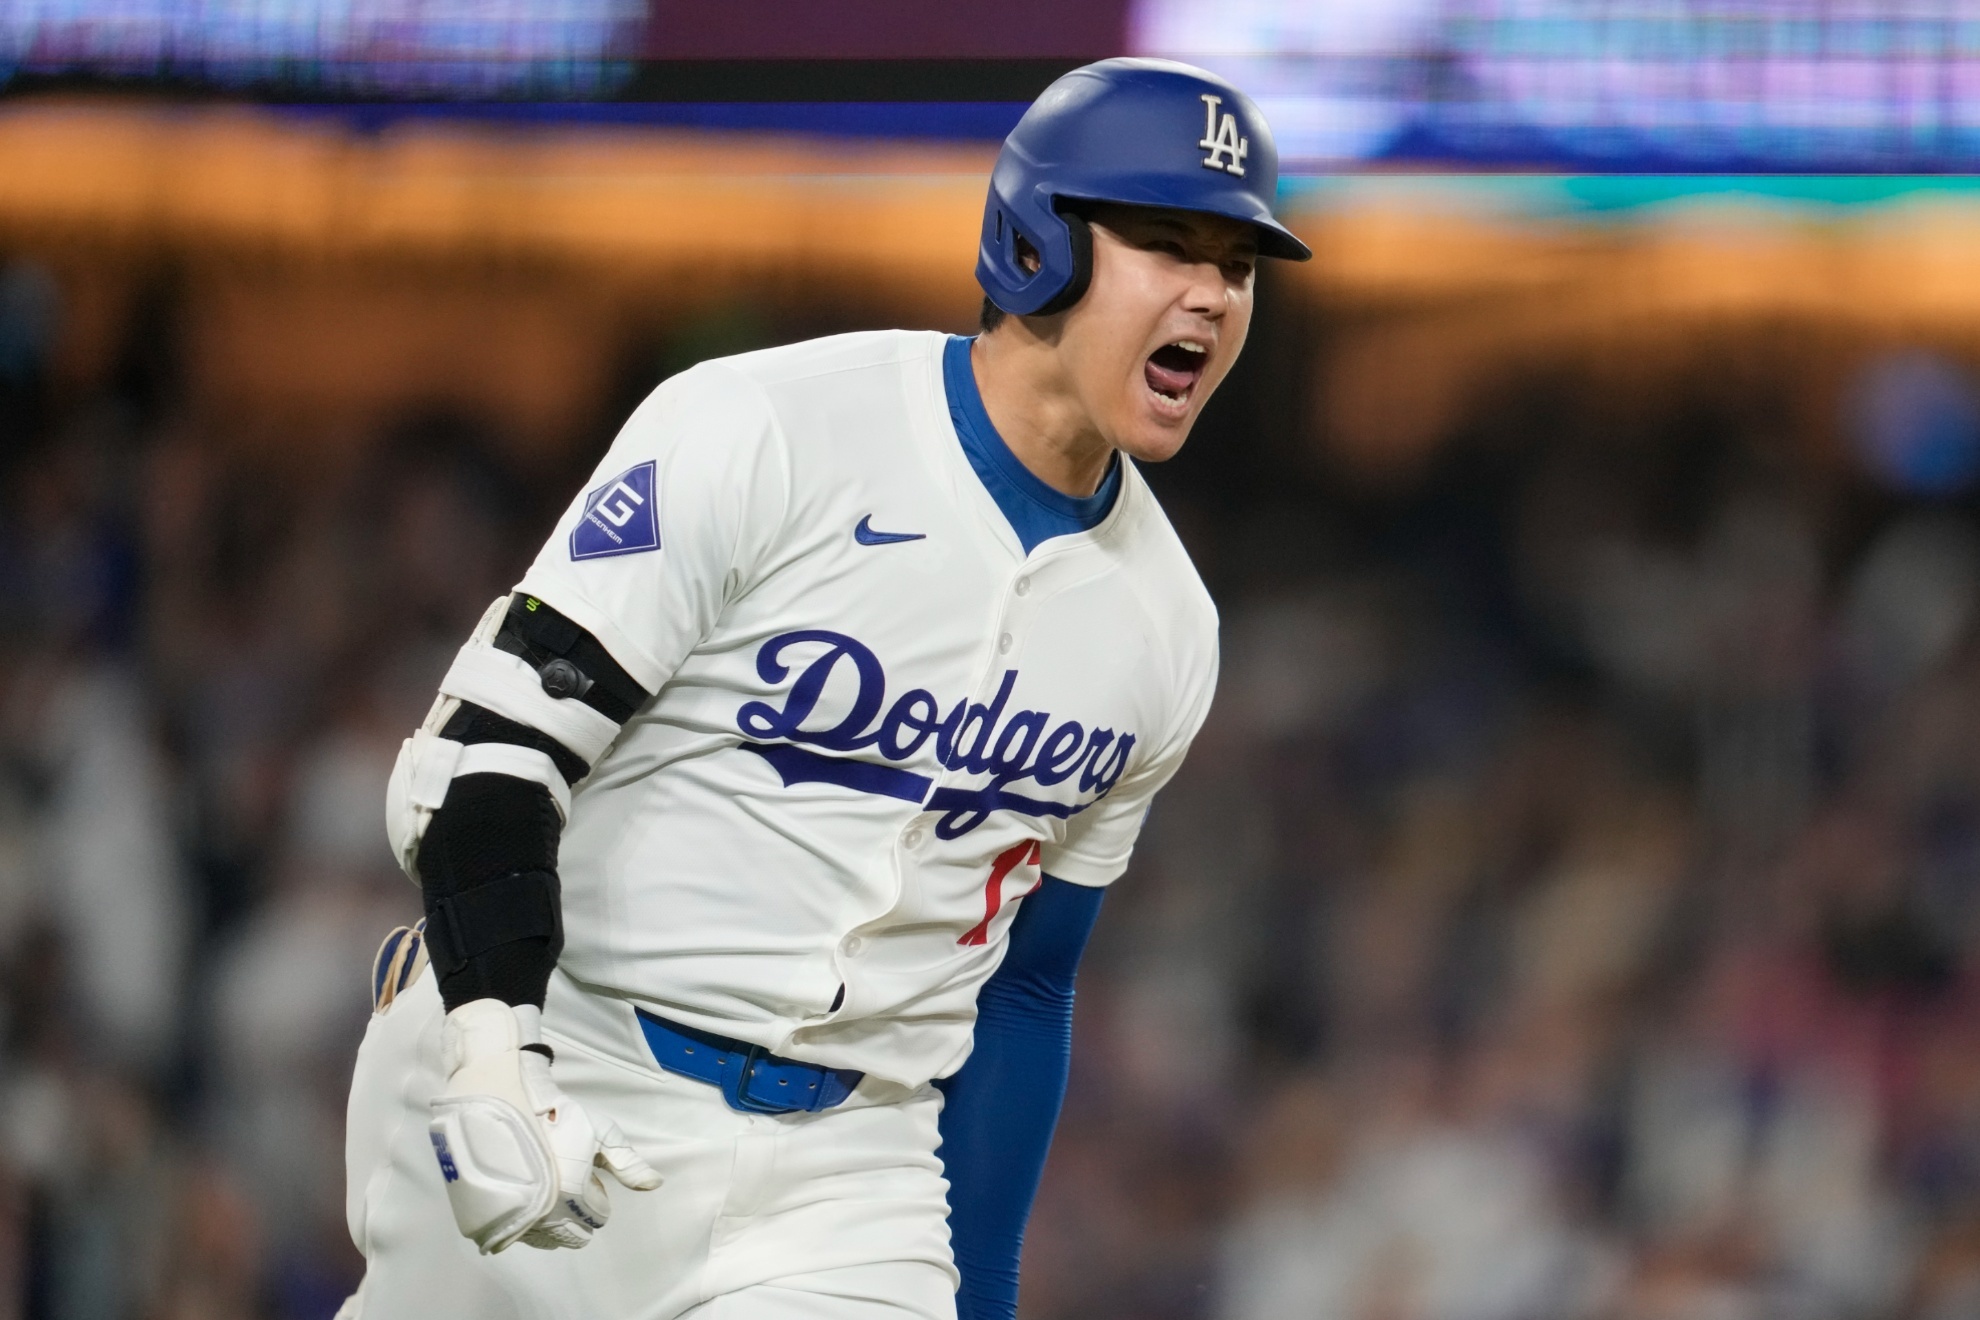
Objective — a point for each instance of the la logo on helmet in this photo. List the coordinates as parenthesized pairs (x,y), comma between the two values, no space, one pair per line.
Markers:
(1220,138)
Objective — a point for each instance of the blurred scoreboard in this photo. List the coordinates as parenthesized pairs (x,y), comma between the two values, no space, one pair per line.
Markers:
(1599,85)
(454,48)
(1583,86)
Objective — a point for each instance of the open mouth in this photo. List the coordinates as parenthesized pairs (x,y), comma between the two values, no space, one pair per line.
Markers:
(1173,370)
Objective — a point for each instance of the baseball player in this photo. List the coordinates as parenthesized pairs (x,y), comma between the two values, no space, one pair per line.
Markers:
(762,826)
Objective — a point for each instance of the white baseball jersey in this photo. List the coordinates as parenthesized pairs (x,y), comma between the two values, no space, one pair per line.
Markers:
(877,718)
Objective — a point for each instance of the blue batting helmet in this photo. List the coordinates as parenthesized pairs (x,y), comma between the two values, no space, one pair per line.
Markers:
(1136,131)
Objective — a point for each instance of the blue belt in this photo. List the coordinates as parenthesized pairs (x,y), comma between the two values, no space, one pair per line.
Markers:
(752,1079)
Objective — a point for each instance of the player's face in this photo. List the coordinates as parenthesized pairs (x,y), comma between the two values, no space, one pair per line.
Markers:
(1161,323)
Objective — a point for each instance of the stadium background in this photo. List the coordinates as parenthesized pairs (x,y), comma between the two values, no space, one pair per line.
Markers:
(1569,909)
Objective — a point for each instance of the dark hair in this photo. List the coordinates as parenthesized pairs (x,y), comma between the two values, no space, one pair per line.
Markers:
(990,317)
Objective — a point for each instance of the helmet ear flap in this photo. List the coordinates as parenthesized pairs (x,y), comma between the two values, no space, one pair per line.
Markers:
(1080,238)
(1018,263)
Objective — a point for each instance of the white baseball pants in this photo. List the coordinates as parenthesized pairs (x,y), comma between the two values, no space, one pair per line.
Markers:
(841,1215)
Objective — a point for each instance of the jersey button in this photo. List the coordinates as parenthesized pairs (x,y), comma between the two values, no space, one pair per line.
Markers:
(1004,644)
(913,836)
(1024,586)
(852,945)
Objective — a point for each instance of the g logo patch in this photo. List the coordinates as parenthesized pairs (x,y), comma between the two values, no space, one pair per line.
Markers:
(619,518)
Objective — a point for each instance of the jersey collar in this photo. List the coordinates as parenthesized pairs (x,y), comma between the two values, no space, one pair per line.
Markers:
(1035,510)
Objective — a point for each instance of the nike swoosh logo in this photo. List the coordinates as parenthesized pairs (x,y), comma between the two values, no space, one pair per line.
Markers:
(865,535)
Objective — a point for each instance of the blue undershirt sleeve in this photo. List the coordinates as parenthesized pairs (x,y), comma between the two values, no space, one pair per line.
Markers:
(1002,1106)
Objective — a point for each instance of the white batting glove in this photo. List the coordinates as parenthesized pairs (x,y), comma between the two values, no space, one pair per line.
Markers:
(521,1159)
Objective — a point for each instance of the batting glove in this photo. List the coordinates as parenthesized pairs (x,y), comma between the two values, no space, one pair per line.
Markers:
(521,1159)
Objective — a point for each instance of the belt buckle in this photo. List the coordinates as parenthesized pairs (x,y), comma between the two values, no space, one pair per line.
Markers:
(735,1085)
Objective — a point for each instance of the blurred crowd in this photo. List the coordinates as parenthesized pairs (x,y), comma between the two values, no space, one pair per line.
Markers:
(211,657)
(1569,909)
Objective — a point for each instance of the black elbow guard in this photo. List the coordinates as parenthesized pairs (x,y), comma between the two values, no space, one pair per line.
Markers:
(488,869)
(488,857)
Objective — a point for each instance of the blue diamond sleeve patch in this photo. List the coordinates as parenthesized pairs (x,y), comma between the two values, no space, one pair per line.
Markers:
(619,517)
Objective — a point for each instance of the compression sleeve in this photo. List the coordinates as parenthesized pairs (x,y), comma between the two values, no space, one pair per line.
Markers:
(1002,1107)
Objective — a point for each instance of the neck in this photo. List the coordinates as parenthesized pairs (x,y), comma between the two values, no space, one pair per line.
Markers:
(1029,395)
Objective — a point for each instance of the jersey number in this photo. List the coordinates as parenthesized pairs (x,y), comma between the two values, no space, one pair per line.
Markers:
(1022,854)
